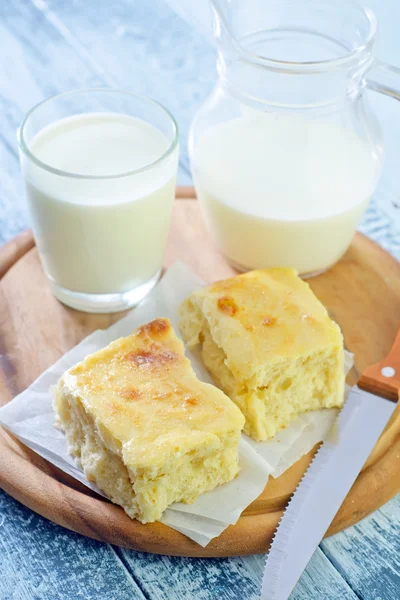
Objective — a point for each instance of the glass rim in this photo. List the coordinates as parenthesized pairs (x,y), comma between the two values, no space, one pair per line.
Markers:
(299,67)
(26,150)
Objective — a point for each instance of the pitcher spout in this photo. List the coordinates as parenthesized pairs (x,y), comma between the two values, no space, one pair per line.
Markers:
(269,53)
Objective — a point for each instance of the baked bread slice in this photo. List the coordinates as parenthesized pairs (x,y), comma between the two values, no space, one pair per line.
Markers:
(143,427)
(269,344)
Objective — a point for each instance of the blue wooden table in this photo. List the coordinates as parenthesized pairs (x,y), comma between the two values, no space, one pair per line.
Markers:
(50,46)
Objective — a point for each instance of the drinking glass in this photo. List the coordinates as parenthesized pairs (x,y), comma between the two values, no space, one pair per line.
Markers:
(99,167)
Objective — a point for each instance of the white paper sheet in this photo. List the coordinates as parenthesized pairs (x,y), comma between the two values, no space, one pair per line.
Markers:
(30,417)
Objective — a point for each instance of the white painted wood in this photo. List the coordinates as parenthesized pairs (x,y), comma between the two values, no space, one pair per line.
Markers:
(228,579)
(42,561)
(368,554)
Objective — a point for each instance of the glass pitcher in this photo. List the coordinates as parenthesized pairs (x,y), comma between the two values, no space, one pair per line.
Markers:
(286,152)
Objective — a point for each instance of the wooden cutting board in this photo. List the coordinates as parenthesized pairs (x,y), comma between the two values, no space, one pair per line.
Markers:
(362,293)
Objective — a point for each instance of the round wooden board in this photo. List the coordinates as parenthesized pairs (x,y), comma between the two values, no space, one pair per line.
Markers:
(362,293)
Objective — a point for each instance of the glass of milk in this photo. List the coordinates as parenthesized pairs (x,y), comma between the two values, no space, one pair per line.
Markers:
(99,168)
(286,152)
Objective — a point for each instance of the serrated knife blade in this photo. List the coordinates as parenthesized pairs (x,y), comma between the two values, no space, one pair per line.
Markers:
(331,474)
(323,489)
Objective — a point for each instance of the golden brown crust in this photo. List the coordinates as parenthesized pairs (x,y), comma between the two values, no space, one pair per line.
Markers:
(157,328)
(268,321)
(227,305)
(153,358)
(130,393)
(191,402)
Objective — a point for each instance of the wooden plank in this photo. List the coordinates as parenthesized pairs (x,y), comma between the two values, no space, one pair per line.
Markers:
(65,565)
(228,579)
(65,561)
(40,560)
(367,554)
(321,581)
(12,212)
(177,578)
(146,47)
(31,49)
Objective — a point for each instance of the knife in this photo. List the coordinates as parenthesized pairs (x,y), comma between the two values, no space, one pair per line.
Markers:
(331,474)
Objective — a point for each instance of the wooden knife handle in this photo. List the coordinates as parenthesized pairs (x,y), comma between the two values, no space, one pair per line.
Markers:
(383,379)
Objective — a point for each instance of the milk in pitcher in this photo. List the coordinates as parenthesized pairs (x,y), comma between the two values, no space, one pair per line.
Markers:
(283,190)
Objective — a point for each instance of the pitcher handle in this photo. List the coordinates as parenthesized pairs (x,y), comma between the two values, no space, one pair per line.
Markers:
(385,79)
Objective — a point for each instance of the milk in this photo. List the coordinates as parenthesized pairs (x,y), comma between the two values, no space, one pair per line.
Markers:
(281,190)
(100,235)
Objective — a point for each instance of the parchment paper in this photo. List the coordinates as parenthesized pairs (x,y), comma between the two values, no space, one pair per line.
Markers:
(30,417)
